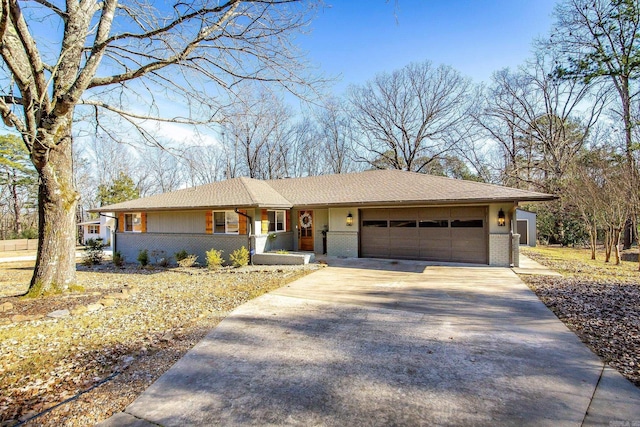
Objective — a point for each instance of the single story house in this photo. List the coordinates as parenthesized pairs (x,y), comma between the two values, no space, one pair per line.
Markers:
(102,228)
(373,214)
(526,227)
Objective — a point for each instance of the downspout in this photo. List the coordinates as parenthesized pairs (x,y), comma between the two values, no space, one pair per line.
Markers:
(236,210)
(115,233)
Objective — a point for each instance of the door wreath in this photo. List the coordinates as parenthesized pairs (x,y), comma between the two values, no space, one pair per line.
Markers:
(305,220)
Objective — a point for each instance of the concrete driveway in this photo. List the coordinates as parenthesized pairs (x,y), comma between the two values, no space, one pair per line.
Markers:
(378,343)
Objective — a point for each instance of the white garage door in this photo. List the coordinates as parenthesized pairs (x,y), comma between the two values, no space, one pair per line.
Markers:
(436,234)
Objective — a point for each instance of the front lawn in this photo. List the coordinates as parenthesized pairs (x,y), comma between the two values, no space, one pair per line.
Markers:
(600,302)
(113,338)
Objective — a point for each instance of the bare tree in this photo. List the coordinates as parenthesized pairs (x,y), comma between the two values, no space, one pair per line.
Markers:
(336,135)
(256,130)
(158,171)
(203,164)
(411,116)
(116,57)
(539,122)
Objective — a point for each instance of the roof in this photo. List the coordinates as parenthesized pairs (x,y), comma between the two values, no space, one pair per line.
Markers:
(92,222)
(370,188)
(237,192)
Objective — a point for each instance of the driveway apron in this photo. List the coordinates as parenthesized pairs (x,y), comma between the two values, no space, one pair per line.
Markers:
(378,343)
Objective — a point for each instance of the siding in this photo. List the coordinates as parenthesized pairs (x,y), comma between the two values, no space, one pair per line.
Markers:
(177,222)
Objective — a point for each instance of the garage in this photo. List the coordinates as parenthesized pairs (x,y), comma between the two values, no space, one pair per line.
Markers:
(452,234)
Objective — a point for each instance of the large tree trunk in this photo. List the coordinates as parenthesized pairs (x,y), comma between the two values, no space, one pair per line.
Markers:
(57,199)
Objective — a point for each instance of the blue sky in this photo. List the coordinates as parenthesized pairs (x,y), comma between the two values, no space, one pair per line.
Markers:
(359,38)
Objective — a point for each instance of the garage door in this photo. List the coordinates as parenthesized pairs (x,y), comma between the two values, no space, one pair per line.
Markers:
(435,234)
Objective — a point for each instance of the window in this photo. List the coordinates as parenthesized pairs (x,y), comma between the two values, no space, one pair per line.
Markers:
(226,222)
(133,222)
(276,221)
(467,223)
(434,223)
(374,223)
(93,229)
(409,223)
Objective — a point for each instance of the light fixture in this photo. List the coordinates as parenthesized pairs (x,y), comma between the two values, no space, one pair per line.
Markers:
(501,219)
(349,219)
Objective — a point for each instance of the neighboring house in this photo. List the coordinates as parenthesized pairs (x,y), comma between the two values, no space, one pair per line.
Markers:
(373,214)
(526,227)
(102,228)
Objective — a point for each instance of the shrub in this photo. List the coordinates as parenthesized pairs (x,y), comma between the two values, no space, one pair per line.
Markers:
(143,257)
(163,262)
(93,252)
(118,259)
(181,255)
(239,257)
(214,259)
(188,261)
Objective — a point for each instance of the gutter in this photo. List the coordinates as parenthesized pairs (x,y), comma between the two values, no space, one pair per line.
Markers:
(236,210)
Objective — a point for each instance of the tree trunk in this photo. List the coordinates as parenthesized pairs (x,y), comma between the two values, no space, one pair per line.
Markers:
(17,225)
(57,199)
(593,236)
(607,245)
(616,242)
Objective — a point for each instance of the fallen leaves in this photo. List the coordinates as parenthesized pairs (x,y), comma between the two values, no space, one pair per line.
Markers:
(152,317)
(602,309)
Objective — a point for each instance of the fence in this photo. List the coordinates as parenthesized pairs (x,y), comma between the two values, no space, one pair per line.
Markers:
(18,245)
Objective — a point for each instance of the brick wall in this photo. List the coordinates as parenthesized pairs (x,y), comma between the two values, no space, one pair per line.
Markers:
(499,250)
(167,244)
(516,250)
(342,243)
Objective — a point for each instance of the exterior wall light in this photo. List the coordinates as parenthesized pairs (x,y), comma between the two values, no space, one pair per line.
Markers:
(349,219)
(501,219)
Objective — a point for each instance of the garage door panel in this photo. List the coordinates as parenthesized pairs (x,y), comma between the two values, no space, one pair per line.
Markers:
(404,213)
(434,213)
(434,233)
(468,212)
(403,234)
(468,257)
(456,234)
(375,214)
(435,244)
(435,254)
(402,252)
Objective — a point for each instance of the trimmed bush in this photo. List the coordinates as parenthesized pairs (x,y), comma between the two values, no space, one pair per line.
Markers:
(188,261)
(214,259)
(239,257)
(143,257)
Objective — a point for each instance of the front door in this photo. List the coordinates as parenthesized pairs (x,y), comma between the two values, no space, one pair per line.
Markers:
(305,233)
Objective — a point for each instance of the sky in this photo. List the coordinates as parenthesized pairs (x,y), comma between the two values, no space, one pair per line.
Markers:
(356,39)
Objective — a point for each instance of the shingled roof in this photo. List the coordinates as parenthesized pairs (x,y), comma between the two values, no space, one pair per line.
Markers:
(237,192)
(370,188)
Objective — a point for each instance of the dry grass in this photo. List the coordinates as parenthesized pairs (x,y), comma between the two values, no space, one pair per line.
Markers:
(47,361)
(599,301)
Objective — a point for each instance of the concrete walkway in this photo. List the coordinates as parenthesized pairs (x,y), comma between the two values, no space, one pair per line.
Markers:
(378,343)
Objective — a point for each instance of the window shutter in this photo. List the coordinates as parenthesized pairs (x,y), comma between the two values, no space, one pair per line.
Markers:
(287,226)
(121,222)
(242,222)
(143,222)
(209,222)
(265,222)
